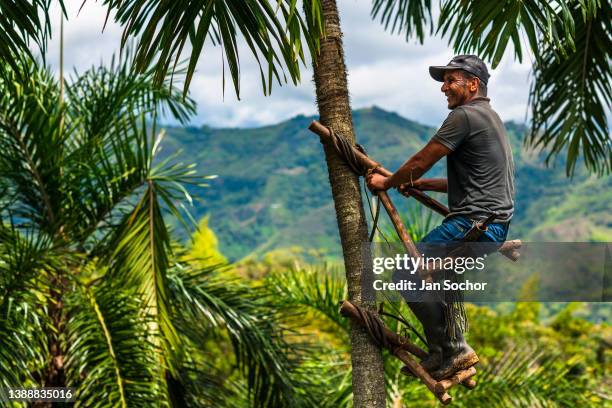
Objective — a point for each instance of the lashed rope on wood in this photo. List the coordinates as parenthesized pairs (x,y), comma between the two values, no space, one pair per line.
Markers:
(347,151)
(402,348)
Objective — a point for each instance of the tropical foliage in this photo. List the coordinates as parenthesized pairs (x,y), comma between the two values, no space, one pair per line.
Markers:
(93,292)
(23,22)
(571,94)
(112,306)
(273,31)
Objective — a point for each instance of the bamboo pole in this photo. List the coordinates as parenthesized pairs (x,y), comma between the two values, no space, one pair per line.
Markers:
(403,233)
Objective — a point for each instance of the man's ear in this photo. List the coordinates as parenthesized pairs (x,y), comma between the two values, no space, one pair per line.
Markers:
(474,84)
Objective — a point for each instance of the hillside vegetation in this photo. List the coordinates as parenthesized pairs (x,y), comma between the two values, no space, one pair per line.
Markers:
(272,189)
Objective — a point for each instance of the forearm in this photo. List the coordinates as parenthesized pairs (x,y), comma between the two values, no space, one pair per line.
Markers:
(417,165)
(437,184)
(409,172)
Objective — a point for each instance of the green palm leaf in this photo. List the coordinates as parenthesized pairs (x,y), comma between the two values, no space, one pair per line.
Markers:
(140,260)
(571,96)
(123,93)
(20,23)
(316,289)
(111,360)
(200,383)
(70,171)
(31,144)
(206,300)
(272,34)
(23,322)
(23,343)
(410,17)
(524,377)
(111,152)
(487,27)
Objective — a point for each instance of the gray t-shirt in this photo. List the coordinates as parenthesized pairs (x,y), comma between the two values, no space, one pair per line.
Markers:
(480,166)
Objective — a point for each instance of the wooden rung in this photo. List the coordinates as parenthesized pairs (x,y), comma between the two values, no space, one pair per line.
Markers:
(512,244)
(444,385)
(419,372)
(510,249)
(470,383)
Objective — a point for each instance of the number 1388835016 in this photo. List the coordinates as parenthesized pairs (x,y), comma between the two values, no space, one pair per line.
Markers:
(48,394)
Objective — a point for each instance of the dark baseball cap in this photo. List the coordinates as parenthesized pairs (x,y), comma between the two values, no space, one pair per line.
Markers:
(468,63)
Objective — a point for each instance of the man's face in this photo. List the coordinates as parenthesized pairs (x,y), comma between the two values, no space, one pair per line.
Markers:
(458,89)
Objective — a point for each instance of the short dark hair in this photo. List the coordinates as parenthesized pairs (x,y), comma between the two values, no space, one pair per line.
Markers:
(482,87)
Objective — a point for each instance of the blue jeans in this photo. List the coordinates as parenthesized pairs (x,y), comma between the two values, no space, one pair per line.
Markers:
(455,228)
(452,230)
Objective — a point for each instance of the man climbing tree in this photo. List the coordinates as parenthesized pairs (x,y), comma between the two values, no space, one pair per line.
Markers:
(480,185)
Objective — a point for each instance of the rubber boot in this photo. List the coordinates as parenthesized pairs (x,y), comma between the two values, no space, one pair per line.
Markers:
(446,356)
(431,316)
(457,355)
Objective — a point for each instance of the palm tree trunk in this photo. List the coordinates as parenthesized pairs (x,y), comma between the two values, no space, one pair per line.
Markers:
(335,112)
(54,373)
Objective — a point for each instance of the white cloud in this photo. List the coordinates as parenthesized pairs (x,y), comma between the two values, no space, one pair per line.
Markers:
(384,70)
(85,44)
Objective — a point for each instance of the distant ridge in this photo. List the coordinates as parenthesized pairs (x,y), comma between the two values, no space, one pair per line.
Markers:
(272,190)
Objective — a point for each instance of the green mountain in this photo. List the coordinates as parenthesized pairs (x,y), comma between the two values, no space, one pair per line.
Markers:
(272,189)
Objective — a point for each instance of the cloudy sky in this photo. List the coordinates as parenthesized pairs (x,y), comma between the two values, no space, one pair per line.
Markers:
(384,70)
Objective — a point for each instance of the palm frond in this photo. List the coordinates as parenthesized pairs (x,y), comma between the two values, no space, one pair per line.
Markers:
(23,255)
(571,96)
(208,301)
(23,21)
(200,382)
(23,342)
(411,17)
(486,28)
(140,260)
(316,289)
(24,324)
(102,94)
(165,28)
(111,360)
(31,144)
(111,151)
(523,376)
(330,376)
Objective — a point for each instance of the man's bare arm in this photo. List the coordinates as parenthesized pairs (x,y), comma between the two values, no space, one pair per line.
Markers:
(418,164)
(437,184)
